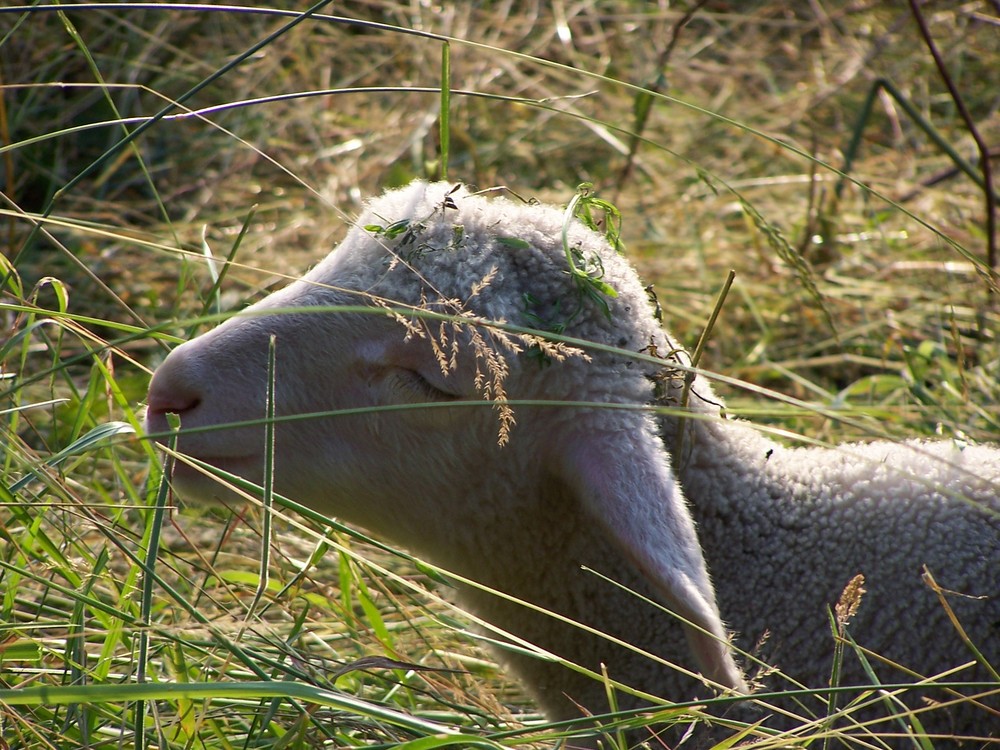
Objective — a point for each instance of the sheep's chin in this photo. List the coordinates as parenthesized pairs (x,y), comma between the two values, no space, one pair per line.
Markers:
(199,484)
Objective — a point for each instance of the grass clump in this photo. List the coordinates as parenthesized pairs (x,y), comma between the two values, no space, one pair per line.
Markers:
(136,142)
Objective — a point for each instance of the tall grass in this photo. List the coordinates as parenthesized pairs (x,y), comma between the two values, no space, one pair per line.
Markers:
(164,165)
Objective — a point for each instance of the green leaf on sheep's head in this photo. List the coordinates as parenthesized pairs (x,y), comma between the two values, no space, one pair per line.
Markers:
(588,272)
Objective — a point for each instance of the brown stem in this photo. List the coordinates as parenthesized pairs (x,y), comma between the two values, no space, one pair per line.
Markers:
(984,152)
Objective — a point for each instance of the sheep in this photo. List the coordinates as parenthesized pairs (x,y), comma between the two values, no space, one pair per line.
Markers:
(602,483)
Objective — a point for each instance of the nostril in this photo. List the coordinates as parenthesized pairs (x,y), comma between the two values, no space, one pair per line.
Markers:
(171,403)
(174,388)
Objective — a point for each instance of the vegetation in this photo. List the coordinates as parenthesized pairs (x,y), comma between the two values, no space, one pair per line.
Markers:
(164,165)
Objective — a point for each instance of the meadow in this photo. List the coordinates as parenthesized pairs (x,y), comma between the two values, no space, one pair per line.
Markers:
(164,164)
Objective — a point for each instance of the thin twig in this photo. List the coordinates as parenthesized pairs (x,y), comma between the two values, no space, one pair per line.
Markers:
(936,179)
(644,99)
(984,152)
(699,349)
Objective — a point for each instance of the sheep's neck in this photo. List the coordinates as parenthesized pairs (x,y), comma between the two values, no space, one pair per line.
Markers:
(545,557)
(714,458)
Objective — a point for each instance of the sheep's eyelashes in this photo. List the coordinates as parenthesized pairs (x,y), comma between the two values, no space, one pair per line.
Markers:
(410,386)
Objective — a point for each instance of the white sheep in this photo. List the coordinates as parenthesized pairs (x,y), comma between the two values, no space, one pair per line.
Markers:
(569,489)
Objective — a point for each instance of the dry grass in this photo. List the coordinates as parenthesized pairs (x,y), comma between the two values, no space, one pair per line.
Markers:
(876,302)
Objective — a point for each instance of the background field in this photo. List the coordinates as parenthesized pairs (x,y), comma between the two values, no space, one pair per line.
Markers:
(718,131)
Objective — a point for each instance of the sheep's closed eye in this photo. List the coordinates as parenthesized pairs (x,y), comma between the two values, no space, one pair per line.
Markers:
(410,386)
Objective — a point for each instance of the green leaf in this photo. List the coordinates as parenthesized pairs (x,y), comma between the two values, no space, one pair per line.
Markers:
(96,438)
(514,242)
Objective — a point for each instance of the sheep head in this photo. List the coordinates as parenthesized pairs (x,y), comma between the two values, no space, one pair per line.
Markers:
(384,355)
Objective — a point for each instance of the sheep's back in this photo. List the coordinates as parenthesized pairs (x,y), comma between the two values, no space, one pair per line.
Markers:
(802,523)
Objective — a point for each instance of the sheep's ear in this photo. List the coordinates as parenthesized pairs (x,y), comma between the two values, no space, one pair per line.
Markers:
(624,481)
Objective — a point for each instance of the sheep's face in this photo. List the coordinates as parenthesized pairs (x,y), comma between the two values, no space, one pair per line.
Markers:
(415,388)
(367,418)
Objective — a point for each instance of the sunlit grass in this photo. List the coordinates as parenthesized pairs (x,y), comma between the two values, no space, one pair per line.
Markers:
(125,621)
